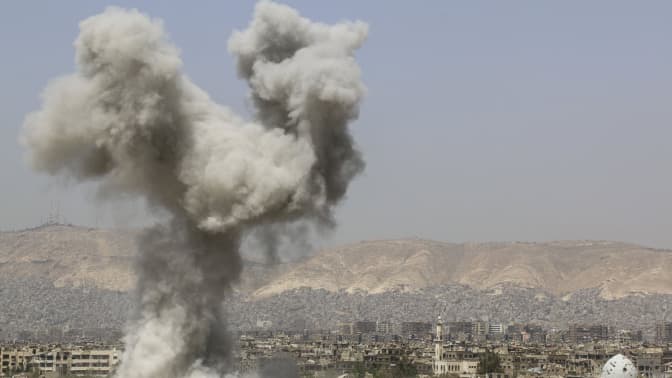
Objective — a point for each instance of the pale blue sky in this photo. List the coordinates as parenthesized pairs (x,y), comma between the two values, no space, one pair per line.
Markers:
(483,120)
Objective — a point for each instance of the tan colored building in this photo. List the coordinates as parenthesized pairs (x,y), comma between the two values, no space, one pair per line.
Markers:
(15,359)
(462,363)
(76,361)
(664,332)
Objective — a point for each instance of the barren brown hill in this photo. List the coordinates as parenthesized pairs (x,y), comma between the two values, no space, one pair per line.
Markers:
(618,269)
(73,256)
(77,256)
(69,256)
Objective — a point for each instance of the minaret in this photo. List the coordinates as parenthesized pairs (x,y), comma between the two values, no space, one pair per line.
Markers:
(438,341)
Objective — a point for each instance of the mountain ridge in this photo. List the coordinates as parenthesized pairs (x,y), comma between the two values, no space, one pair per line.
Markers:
(73,256)
(559,267)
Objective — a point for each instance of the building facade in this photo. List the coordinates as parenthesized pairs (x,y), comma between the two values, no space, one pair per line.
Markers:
(664,332)
(75,361)
(450,361)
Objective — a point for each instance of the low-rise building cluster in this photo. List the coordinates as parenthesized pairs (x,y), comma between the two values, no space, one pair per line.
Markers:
(383,349)
(58,361)
(456,349)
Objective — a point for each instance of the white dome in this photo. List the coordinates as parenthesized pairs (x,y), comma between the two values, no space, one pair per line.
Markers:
(619,367)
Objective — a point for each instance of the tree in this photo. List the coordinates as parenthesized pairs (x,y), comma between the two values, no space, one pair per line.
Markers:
(359,371)
(402,369)
(488,362)
(405,368)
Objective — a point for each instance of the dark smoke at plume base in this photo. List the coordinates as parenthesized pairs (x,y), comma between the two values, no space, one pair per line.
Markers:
(131,121)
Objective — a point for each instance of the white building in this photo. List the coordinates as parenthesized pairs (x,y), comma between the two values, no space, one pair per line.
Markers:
(451,362)
(496,328)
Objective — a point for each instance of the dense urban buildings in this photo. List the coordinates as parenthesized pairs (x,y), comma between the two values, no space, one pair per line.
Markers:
(58,361)
(380,348)
(520,350)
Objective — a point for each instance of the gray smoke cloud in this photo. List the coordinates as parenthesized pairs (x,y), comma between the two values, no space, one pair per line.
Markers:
(130,120)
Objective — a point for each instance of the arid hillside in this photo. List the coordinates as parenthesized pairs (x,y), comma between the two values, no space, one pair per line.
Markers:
(71,256)
(561,268)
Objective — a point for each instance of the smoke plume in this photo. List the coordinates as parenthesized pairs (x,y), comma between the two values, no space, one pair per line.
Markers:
(131,121)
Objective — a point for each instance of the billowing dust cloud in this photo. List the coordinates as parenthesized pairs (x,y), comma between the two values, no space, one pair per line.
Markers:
(131,121)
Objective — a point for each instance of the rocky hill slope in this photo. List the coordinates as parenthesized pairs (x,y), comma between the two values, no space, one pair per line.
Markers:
(70,256)
(75,281)
(79,257)
(616,269)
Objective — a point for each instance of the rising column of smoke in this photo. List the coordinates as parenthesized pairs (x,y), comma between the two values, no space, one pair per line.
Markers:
(130,120)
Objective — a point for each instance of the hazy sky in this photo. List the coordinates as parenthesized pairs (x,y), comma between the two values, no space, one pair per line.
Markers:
(483,120)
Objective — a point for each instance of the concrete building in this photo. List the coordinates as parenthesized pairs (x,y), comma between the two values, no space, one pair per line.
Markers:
(496,329)
(649,363)
(93,361)
(589,333)
(416,330)
(345,328)
(664,332)
(478,330)
(15,359)
(667,373)
(461,362)
(459,330)
(384,328)
(363,327)
(78,361)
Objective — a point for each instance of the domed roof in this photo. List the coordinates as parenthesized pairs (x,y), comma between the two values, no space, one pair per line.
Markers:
(619,367)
